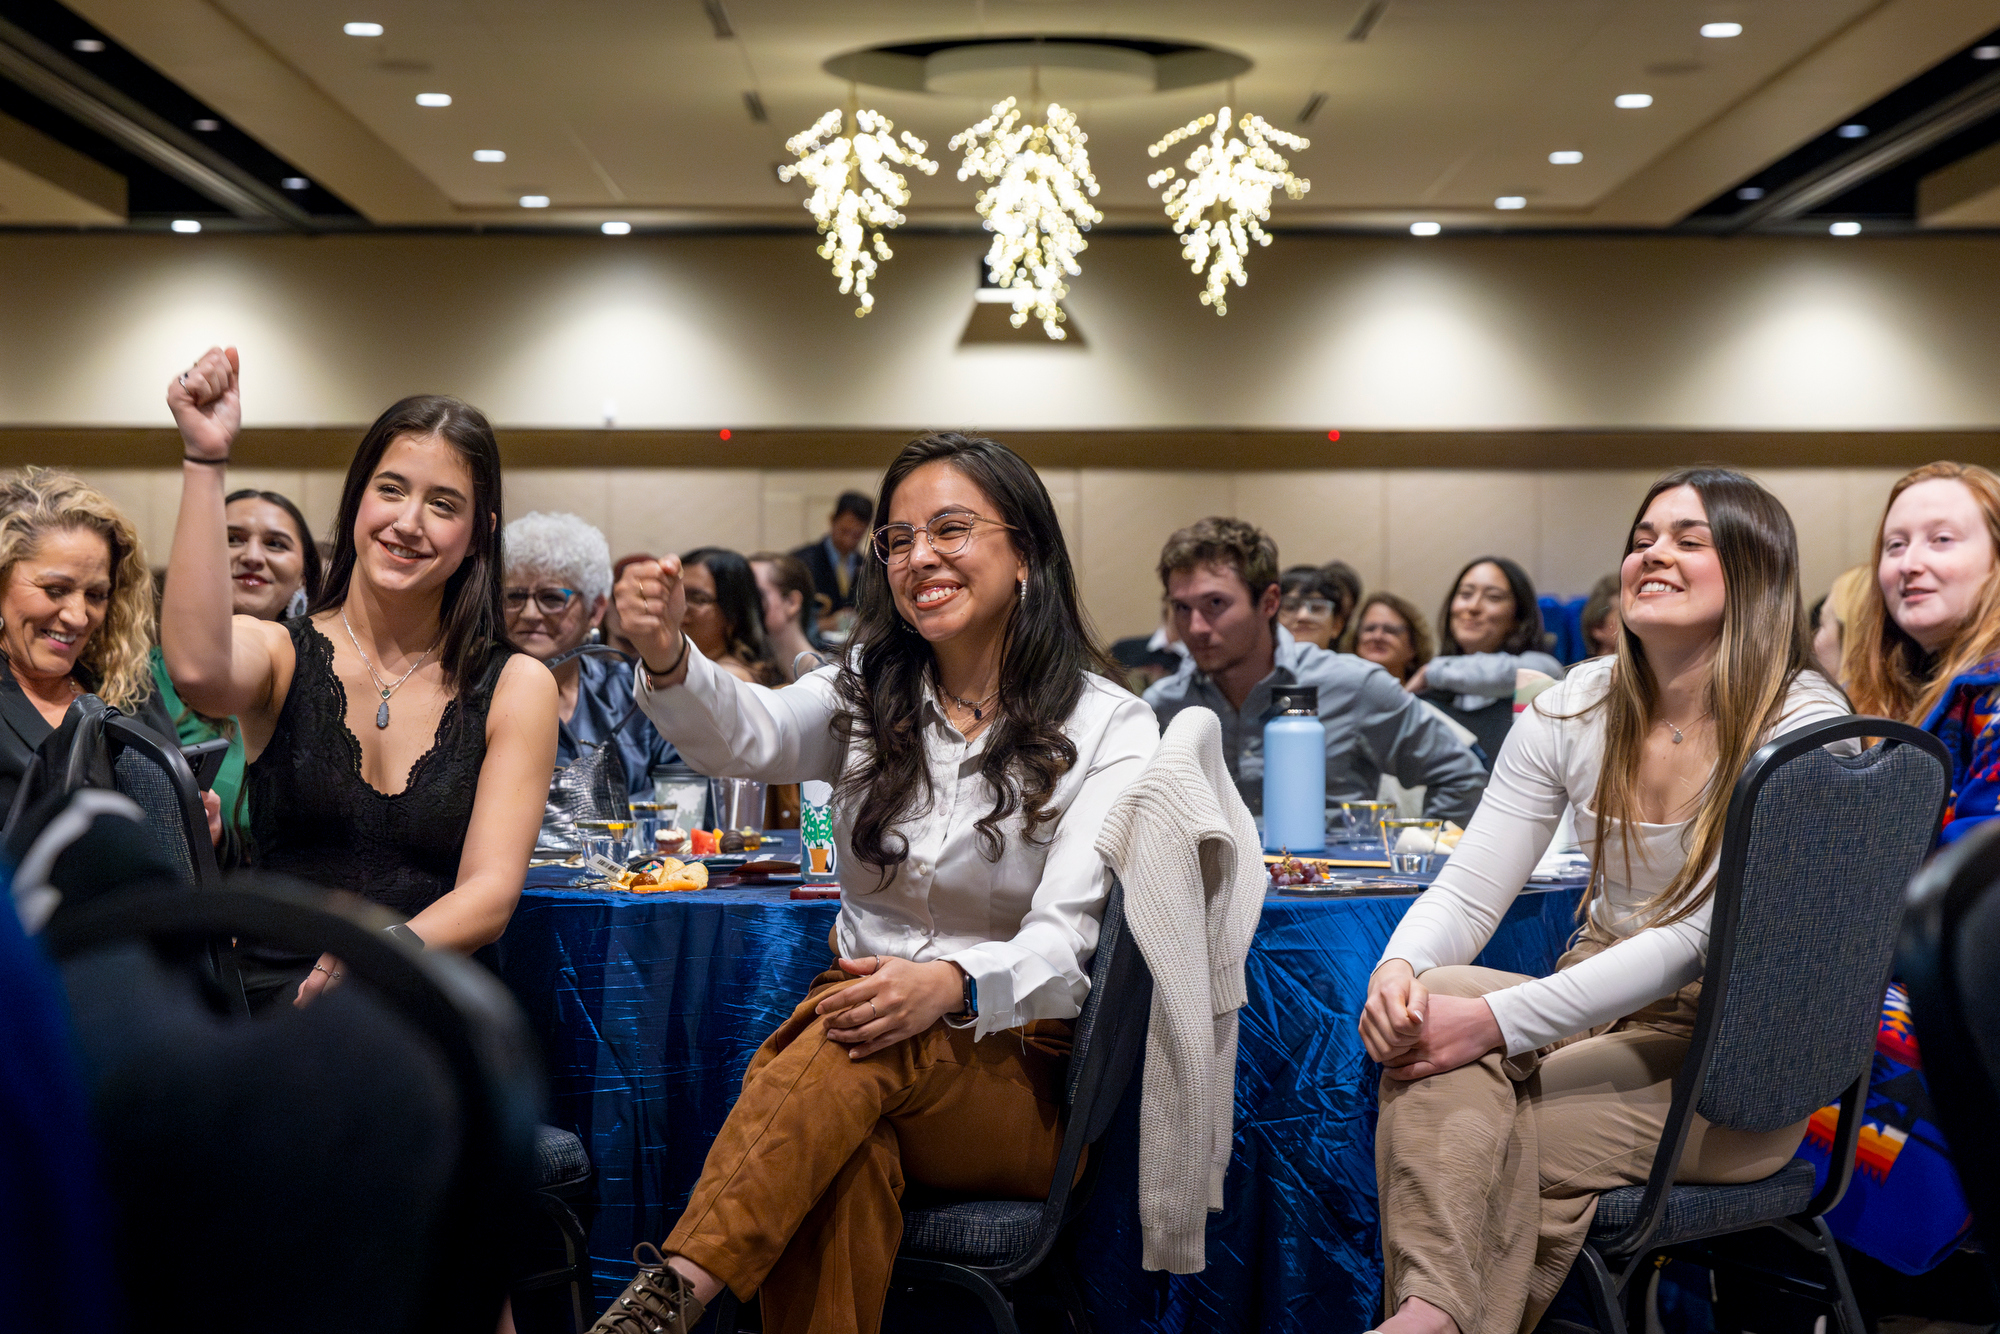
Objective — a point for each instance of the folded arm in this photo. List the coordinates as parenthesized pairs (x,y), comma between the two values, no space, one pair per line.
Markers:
(1418,748)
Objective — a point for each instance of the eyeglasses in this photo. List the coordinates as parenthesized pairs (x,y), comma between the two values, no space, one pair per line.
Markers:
(548,601)
(1293,604)
(1385,630)
(948,535)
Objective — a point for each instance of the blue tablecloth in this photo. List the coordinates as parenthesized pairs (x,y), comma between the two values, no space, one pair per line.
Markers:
(650,1007)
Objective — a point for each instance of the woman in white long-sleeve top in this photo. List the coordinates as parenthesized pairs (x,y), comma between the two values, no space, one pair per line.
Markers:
(974,750)
(1510,1102)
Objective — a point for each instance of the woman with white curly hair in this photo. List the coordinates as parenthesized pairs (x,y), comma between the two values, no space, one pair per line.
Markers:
(557,586)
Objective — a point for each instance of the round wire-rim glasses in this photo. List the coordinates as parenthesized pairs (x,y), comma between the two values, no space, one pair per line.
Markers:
(947,533)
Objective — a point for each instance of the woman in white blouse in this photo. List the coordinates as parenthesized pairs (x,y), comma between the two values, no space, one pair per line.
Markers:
(974,749)
(1510,1102)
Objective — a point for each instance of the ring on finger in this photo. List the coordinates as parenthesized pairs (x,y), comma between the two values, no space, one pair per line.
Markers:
(322,968)
(873,1013)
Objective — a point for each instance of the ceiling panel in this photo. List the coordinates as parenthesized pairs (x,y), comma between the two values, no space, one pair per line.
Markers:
(623,108)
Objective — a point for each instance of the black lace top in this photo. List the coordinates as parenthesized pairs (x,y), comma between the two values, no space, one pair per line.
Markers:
(314,816)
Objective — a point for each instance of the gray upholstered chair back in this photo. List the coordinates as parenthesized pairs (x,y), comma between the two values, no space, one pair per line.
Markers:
(1110,1033)
(149,769)
(1807,907)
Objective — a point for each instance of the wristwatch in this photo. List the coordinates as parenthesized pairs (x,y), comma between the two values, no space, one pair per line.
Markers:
(968,1016)
(404,935)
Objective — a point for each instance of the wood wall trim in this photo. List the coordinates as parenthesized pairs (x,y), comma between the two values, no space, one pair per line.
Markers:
(1221,450)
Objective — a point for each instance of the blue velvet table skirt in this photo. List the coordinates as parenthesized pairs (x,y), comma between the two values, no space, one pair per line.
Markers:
(650,1006)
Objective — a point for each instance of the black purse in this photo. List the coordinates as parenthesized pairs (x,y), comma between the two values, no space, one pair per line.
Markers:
(593,786)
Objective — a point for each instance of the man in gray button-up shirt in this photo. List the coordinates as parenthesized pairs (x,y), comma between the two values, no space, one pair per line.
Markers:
(1221,577)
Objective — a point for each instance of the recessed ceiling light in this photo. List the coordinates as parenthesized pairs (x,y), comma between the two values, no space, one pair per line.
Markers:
(1424,229)
(1510,201)
(1722,30)
(1845,229)
(1565,157)
(1852,131)
(1632,101)
(1986,53)
(534,201)
(1750,193)
(433,99)
(208,126)
(296,183)
(362,29)
(488,155)
(90,46)
(615,228)
(186,226)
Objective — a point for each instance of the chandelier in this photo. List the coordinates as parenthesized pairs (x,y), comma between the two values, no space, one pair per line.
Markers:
(1218,208)
(1037,207)
(855,188)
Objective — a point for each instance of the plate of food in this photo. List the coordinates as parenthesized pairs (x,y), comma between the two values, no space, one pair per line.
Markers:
(660,875)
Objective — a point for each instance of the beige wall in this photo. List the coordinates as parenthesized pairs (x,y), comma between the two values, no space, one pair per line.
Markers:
(1404,529)
(1591,333)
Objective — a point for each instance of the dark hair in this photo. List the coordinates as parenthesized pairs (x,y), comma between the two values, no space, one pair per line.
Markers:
(741,608)
(1526,636)
(308,549)
(790,575)
(1813,612)
(470,618)
(1049,648)
(1349,581)
(1602,602)
(856,503)
(1242,547)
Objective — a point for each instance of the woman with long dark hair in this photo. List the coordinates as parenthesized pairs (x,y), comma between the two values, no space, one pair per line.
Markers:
(974,746)
(398,746)
(1489,631)
(725,615)
(1518,1098)
(274,572)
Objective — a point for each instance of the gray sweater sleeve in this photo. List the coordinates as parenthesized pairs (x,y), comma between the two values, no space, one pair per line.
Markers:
(1415,747)
(1488,674)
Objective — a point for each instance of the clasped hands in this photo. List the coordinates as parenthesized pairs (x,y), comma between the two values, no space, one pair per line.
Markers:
(895,999)
(1414,1033)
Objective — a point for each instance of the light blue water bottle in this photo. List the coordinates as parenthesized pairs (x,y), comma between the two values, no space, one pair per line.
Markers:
(1295,772)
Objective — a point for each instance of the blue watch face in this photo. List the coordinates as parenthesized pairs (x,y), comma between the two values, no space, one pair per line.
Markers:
(971,995)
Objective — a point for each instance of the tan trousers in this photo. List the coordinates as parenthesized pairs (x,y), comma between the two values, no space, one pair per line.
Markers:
(800,1196)
(1489,1174)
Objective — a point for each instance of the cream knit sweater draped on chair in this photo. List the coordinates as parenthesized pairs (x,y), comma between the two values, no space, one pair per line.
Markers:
(1183,844)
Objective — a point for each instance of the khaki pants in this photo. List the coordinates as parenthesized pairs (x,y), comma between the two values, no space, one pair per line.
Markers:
(1489,1174)
(800,1196)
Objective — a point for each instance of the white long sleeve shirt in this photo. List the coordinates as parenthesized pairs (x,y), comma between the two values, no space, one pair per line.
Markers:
(1023,927)
(1549,762)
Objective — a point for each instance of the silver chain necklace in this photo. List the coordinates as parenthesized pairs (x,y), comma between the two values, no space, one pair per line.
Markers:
(382,713)
(969,706)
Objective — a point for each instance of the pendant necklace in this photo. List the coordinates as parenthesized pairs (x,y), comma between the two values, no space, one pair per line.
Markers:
(1679,736)
(969,706)
(382,713)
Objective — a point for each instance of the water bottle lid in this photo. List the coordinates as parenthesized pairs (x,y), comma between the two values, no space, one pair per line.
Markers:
(675,771)
(1295,699)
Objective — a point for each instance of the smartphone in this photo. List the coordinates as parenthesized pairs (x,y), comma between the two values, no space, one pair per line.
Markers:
(205,758)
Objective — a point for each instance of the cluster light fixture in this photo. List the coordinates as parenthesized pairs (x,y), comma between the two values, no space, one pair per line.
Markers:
(1722,30)
(1219,207)
(1632,101)
(1565,157)
(362,29)
(1037,205)
(489,155)
(857,193)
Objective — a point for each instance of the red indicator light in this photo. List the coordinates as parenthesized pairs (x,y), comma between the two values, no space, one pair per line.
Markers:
(1333,435)
(725,433)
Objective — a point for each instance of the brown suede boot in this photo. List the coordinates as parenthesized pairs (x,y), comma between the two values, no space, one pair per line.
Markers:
(656,1301)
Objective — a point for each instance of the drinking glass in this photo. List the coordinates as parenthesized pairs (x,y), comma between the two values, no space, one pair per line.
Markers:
(1364,819)
(646,816)
(607,838)
(739,803)
(1411,844)
(684,790)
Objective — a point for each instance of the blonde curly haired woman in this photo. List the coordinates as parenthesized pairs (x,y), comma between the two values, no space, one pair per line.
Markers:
(76,613)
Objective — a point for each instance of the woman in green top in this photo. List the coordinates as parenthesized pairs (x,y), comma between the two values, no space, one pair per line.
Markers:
(274,570)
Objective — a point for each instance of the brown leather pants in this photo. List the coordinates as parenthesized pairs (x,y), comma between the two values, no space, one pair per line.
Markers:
(800,1196)
(1489,1174)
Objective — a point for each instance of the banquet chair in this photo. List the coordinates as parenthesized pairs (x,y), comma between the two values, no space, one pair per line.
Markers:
(355,1164)
(989,1248)
(1950,960)
(562,1179)
(151,771)
(1816,852)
